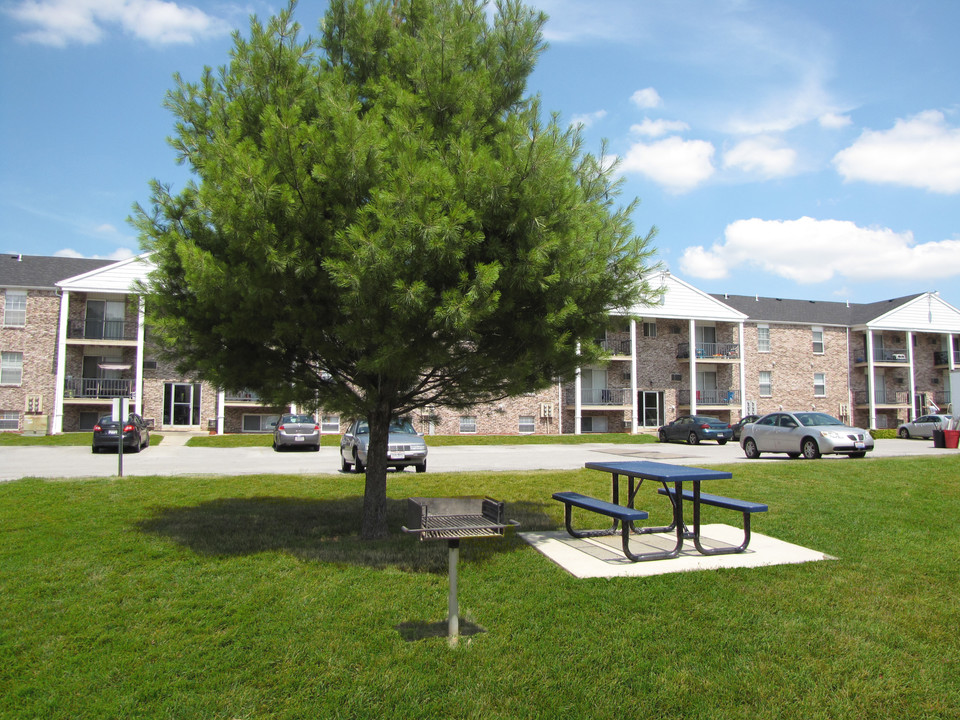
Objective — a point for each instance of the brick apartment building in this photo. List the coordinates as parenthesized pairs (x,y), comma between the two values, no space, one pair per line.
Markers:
(73,338)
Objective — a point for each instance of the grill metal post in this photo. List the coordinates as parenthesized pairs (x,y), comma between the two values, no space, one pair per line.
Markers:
(453,608)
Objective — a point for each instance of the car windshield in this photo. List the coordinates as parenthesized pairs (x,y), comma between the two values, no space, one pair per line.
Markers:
(401,425)
(813,419)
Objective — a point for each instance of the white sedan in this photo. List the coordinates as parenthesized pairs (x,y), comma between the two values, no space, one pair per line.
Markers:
(810,434)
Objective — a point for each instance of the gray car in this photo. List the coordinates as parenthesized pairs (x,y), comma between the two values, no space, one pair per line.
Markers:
(810,434)
(296,431)
(923,426)
(406,446)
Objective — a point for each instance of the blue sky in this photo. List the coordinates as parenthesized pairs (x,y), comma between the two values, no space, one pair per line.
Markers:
(798,150)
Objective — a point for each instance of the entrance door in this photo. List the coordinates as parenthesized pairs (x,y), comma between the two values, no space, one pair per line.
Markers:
(651,408)
(181,404)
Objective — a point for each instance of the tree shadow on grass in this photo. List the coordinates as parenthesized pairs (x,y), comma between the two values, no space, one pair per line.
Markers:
(323,531)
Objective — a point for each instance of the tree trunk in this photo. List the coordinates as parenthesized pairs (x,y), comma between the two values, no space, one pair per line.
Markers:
(374,523)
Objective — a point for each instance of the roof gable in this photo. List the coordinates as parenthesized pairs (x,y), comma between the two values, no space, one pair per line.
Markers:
(921,313)
(681,300)
(118,277)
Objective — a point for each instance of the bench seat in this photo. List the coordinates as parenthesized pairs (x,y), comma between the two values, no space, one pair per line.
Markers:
(743,506)
(602,507)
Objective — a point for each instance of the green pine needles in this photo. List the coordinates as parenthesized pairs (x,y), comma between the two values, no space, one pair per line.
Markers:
(381,219)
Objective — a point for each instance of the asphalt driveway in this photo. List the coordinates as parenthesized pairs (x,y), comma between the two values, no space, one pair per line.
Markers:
(173,457)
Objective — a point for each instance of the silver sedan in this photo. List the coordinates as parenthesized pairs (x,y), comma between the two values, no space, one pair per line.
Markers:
(923,426)
(296,431)
(406,446)
(810,434)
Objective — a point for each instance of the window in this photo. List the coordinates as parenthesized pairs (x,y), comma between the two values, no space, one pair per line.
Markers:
(527,425)
(818,341)
(763,338)
(766,383)
(330,424)
(260,423)
(11,368)
(468,424)
(9,420)
(820,384)
(650,329)
(15,308)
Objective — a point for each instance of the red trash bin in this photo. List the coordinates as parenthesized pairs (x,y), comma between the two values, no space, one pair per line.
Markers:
(951,438)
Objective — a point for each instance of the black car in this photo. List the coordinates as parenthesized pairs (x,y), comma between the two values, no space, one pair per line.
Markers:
(738,425)
(694,428)
(106,434)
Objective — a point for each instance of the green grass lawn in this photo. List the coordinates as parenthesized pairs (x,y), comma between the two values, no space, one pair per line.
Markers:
(258,440)
(9,439)
(252,597)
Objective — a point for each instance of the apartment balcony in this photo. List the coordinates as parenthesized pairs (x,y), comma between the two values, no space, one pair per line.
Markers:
(102,332)
(617,348)
(885,356)
(711,398)
(604,398)
(712,352)
(85,390)
(942,398)
(882,398)
(941,358)
(241,397)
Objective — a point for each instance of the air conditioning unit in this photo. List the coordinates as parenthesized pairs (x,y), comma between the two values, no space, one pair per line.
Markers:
(676,377)
(546,410)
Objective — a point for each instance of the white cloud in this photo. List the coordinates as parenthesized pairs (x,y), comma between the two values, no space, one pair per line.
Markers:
(646,98)
(922,152)
(762,155)
(658,128)
(587,119)
(811,251)
(118,254)
(834,121)
(63,22)
(680,165)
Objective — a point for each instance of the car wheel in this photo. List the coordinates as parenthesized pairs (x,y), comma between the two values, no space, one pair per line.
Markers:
(344,465)
(316,448)
(693,439)
(662,436)
(793,456)
(904,433)
(96,450)
(422,467)
(356,461)
(862,453)
(721,442)
(750,449)
(810,449)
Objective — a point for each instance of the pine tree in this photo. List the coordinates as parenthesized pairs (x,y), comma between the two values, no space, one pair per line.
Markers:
(381,219)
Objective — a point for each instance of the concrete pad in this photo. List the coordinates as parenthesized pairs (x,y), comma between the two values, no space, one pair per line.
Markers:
(603,556)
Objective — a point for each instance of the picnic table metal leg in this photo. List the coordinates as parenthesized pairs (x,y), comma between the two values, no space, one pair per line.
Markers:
(581,534)
(696,529)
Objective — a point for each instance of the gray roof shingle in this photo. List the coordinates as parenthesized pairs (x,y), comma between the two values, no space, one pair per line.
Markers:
(810,311)
(38,271)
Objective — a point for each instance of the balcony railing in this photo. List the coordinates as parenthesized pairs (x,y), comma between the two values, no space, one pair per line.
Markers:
(942,398)
(98,388)
(890,355)
(101,330)
(617,347)
(942,357)
(711,397)
(603,396)
(242,396)
(882,397)
(719,351)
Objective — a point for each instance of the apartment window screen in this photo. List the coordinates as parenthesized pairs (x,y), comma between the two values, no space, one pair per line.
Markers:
(763,338)
(766,383)
(527,425)
(260,423)
(330,424)
(468,424)
(819,384)
(11,368)
(818,341)
(650,329)
(15,308)
(9,420)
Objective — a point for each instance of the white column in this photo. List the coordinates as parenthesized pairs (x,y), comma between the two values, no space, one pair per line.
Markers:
(57,426)
(634,384)
(693,368)
(577,405)
(138,393)
(912,415)
(871,381)
(221,409)
(743,375)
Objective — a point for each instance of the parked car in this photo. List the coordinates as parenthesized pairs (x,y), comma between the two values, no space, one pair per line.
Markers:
(406,447)
(694,428)
(106,434)
(810,434)
(923,426)
(296,431)
(738,425)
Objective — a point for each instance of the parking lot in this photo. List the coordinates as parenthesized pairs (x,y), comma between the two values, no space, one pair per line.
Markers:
(173,457)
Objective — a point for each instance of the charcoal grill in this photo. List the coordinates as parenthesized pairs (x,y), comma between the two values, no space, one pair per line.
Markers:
(453,520)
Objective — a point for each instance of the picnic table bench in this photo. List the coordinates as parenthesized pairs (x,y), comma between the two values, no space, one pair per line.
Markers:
(698,498)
